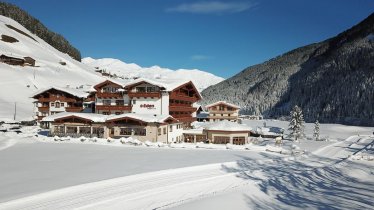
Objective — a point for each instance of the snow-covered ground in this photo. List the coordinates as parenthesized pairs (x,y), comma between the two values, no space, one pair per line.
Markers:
(39,173)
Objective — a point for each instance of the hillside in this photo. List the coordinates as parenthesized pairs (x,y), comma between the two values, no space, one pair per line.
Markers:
(332,81)
(37,28)
(17,83)
(119,68)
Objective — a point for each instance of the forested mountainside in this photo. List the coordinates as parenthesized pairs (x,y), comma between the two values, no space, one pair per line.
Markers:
(37,28)
(332,81)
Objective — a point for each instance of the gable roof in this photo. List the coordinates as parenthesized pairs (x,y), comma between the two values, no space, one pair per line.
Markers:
(75,92)
(148,118)
(223,102)
(88,116)
(108,81)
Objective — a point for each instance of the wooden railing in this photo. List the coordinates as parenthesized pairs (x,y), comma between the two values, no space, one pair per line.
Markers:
(144,94)
(43,109)
(222,111)
(223,117)
(113,107)
(181,109)
(109,95)
(74,109)
(55,98)
(175,96)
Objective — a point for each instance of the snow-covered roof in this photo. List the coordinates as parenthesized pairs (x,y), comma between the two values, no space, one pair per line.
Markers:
(13,55)
(223,102)
(168,84)
(115,81)
(149,118)
(269,131)
(80,93)
(226,126)
(89,116)
(194,131)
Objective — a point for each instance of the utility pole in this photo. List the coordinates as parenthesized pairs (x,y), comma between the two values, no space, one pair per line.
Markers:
(15,110)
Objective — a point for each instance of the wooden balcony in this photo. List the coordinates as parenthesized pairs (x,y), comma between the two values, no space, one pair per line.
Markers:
(144,94)
(109,95)
(186,119)
(43,109)
(222,111)
(224,117)
(74,109)
(182,109)
(55,98)
(175,96)
(114,107)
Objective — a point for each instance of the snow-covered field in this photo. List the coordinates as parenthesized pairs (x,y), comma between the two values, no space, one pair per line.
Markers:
(39,173)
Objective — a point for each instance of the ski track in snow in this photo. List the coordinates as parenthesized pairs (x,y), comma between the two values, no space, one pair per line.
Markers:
(142,191)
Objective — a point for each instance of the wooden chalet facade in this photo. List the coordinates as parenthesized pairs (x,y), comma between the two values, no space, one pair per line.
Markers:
(222,110)
(17,60)
(55,100)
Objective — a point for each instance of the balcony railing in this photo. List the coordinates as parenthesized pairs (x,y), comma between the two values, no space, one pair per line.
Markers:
(144,94)
(114,107)
(222,111)
(43,109)
(181,97)
(55,98)
(186,119)
(74,109)
(223,117)
(109,95)
(182,109)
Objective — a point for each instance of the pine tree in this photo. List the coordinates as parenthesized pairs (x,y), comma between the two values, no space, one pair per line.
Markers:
(296,125)
(316,131)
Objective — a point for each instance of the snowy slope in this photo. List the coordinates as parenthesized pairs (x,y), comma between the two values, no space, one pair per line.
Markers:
(14,80)
(201,79)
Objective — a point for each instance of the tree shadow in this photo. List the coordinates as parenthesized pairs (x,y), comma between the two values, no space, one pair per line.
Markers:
(302,184)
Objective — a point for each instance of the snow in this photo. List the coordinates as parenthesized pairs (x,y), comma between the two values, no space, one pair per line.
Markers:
(201,79)
(309,174)
(141,117)
(90,116)
(225,125)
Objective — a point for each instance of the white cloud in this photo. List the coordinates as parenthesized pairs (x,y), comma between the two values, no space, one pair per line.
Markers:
(213,7)
(200,57)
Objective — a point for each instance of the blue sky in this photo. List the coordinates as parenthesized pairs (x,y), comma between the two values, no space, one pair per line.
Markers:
(222,37)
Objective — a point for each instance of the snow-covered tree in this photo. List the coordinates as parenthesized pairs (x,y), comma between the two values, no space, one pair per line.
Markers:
(316,131)
(296,125)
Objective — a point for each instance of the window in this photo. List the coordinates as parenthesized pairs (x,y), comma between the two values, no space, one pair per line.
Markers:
(62,104)
(221,108)
(71,129)
(221,140)
(229,115)
(140,131)
(112,131)
(106,113)
(164,130)
(151,89)
(159,131)
(107,102)
(59,129)
(52,104)
(140,89)
(170,128)
(239,140)
(57,104)
(125,131)
(118,113)
(85,130)
(221,115)
(133,101)
(120,102)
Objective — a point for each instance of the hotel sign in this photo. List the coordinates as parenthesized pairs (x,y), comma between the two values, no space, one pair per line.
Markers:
(147,106)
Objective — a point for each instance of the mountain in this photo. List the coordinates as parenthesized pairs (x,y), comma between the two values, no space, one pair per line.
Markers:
(332,81)
(52,67)
(121,69)
(36,27)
